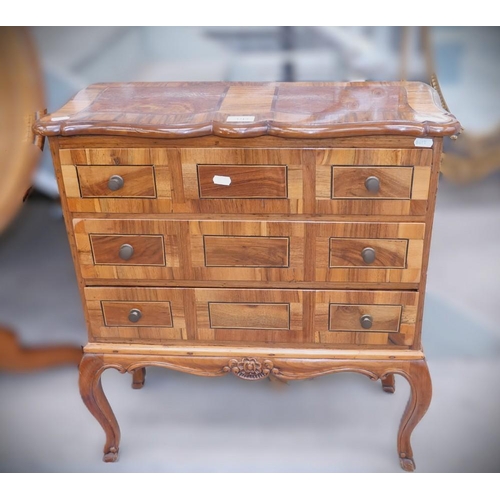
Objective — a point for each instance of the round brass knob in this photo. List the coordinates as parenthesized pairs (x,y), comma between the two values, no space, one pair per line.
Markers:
(126,251)
(366,321)
(134,315)
(372,184)
(368,255)
(115,182)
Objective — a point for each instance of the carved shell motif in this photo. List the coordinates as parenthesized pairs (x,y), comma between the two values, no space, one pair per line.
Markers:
(251,368)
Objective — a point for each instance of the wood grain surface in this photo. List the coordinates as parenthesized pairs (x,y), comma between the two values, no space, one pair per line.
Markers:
(249,316)
(348,252)
(252,316)
(349,182)
(148,250)
(347,318)
(246,251)
(249,109)
(245,181)
(325,181)
(234,250)
(152,313)
(138,182)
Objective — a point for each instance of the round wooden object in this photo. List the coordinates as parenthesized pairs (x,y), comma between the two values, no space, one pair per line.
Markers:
(21,101)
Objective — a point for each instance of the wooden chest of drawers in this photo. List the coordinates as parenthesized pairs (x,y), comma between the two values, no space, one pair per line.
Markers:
(263,230)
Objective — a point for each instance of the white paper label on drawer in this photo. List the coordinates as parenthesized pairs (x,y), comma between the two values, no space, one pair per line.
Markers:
(423,142)
(222,180)
(240,119)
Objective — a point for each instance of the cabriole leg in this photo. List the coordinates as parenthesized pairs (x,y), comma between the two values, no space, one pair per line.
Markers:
(420,398)
(91,368)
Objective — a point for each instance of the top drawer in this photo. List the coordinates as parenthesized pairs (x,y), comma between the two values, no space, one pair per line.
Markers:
(245,180)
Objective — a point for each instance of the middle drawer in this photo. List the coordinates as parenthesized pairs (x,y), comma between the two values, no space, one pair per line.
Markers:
(250,251)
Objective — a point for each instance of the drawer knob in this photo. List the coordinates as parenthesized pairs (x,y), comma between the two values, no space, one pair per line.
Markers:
(368,255)
(366,321)
(115,182)
(126,251)
(372,184)
(134,315)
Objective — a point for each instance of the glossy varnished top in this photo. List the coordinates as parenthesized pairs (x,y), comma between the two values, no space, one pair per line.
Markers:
(240,109)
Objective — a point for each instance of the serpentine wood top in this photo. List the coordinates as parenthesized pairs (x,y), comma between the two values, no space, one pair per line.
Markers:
(246,109)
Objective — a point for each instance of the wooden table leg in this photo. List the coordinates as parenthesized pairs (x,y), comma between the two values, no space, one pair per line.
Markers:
(138,378)
(91,368)
(14,357)
(420,398)
(389,384)
(254,368)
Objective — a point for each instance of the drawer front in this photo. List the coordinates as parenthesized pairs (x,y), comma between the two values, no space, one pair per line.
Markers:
(142,315)
(116,182)
(251,251)
(128,250)
(376,318)
(248,180)
(252,316)
(374,182)
(137,314)
(249,316)
(240,181)
(353,318)
(246,251)
(369,253)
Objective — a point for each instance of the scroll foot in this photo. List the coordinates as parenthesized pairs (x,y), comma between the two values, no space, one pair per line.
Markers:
(111,455)
(407,464)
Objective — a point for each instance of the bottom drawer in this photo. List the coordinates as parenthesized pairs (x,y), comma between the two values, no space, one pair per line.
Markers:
(252,316)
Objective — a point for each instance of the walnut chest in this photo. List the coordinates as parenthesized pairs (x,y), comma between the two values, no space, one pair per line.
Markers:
(254,229)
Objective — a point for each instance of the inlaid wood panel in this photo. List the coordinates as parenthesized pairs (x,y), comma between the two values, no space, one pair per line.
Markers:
(156,248)
(398,252)
(404,176)
(147,187)
(252,316)
(247,316)
(147,250)
(242,181)
(337,317)
(263,180)
(348,317)
(138,182)
(349,182)
(242,251)
(151,314)
(348,252)
(163,314)
(258,250)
